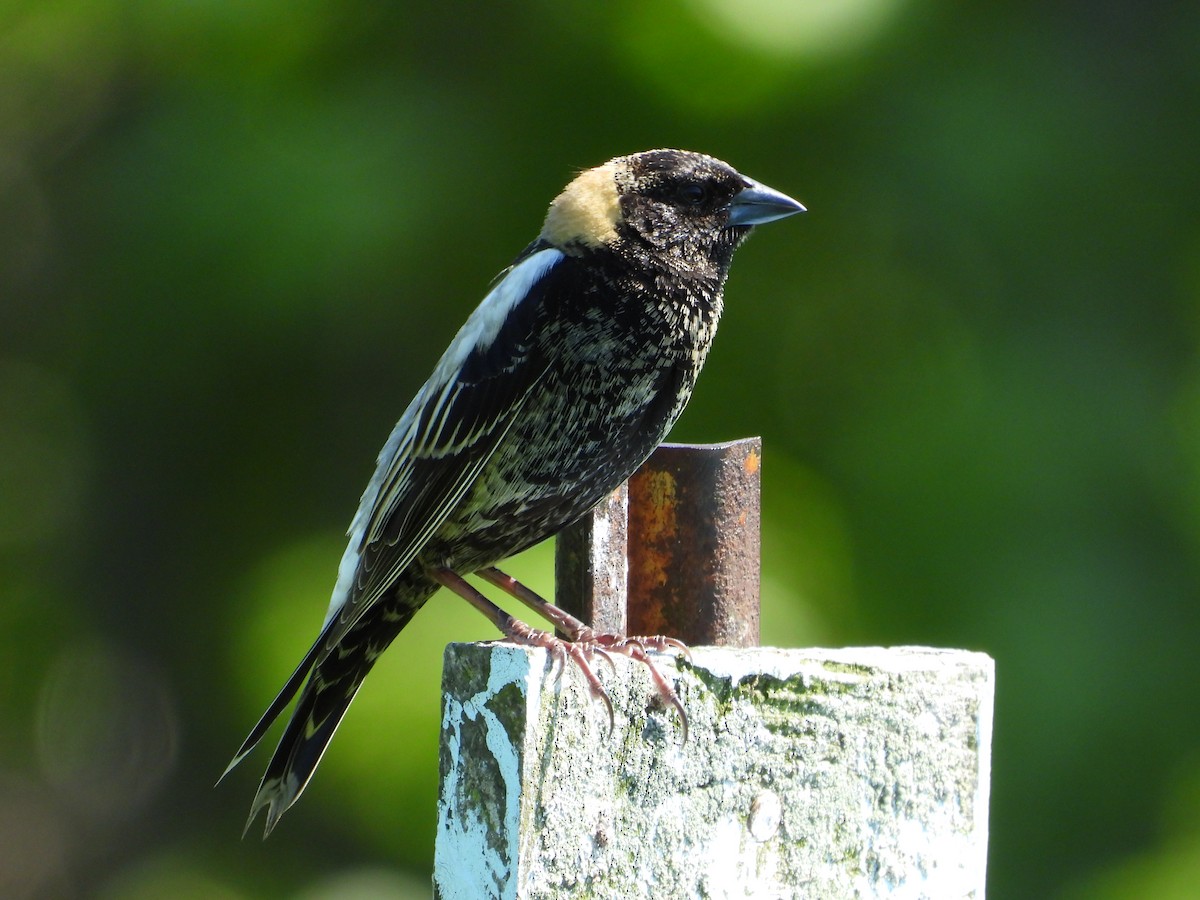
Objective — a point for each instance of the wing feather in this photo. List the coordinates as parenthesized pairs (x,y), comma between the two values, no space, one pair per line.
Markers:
(445,438)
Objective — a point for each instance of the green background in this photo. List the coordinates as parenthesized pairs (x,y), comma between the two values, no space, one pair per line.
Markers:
(234,238)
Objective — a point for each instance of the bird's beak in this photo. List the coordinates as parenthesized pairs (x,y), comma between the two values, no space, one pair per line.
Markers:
(756,203)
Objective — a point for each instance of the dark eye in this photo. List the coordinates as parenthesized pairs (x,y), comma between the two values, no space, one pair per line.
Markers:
(692,193)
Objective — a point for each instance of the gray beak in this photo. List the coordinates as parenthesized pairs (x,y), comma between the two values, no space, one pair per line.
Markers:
(756,204)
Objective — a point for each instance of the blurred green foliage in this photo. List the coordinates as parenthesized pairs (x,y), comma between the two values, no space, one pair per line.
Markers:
(235,237)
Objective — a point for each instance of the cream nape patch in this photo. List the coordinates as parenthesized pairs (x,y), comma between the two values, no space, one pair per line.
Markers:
(587,211)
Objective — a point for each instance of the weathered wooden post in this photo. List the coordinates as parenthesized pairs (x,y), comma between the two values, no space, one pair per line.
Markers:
(807,773)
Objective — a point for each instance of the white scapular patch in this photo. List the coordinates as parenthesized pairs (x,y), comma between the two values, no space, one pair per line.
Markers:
(480,329)
(484,324)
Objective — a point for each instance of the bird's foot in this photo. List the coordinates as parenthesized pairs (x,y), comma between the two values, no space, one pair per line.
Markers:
(561,650)
(639,649)
(655,643)
(582,645)
(590,645)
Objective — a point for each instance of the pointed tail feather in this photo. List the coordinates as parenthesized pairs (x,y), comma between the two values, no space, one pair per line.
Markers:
(279,704)
(334,682)
(300,749)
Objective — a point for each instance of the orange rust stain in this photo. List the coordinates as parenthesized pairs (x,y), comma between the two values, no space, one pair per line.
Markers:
(654,567)
(752,463)
(660,508)
(650,619)
(659,525)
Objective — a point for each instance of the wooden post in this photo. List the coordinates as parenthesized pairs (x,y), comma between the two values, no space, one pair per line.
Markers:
(807,773)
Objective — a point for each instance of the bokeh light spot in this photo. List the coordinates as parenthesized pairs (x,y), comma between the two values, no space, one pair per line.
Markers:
(367,884)
(172,874)
(799,28)
(33,842)
(42,454)
(107,732)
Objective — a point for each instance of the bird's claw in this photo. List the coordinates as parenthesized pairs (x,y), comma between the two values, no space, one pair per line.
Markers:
(639,649)
(656,643)
(590,644)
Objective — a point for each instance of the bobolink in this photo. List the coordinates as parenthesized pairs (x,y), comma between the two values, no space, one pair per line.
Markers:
(560,384)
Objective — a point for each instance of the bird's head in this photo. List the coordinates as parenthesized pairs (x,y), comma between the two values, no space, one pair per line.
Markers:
(679,205)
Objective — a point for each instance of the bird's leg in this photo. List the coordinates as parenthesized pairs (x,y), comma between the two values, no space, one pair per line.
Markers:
(592,641)
(575,630)
(572,627)
(518,632)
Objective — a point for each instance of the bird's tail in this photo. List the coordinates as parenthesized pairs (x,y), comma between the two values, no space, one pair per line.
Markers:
(337,673)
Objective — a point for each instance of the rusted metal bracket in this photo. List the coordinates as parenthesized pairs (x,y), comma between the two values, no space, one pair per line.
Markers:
(675,552)
(591,568)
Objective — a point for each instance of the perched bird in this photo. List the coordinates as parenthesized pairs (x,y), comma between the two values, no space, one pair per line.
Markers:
(560,384)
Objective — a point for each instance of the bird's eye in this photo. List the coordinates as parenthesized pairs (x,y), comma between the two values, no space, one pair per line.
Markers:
(692,193)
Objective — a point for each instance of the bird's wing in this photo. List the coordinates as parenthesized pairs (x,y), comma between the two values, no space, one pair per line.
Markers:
(446,437)
(435,452)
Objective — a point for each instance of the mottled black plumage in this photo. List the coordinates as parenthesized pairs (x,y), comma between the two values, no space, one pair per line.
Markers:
(557,388)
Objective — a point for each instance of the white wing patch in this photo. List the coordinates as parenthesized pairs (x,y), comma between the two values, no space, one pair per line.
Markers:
(484,324)
(393,464)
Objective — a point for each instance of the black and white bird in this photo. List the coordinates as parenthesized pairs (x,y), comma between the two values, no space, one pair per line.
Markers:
(560,384)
